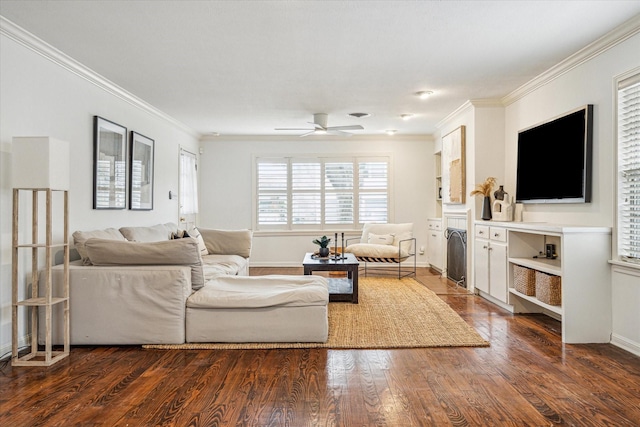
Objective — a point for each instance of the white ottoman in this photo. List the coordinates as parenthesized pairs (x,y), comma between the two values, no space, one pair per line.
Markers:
(275,308)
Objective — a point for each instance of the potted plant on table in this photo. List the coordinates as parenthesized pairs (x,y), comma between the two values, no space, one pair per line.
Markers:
(323,242)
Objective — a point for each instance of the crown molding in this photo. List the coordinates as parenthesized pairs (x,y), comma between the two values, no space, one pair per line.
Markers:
(323,139)
(39,46)
(621,33)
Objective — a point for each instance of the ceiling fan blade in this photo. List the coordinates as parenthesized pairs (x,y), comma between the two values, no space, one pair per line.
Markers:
(308,133)
(317,125)
(350,127)
(294,129)
(331,131)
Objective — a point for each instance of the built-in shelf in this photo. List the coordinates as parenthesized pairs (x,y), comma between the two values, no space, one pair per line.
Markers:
(552,308)
(549,266)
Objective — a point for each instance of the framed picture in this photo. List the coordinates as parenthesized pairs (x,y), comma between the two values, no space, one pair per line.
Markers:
(109,165)
(453,167)
(141,172)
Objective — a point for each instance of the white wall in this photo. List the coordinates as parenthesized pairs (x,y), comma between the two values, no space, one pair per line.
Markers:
(226,193)
(41,98)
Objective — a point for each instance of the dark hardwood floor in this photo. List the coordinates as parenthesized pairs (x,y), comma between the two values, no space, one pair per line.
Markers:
(527,377)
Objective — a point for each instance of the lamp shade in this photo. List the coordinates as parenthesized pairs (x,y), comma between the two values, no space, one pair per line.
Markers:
(40,162)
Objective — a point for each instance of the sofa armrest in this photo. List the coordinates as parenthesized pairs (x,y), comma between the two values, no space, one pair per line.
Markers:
(227,242)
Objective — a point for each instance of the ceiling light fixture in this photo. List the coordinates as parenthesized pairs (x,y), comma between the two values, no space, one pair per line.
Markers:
(359,115)
(406,116)
(390,132)
(424,94)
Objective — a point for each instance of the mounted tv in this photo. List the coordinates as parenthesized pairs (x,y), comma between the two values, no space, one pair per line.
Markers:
(554,159)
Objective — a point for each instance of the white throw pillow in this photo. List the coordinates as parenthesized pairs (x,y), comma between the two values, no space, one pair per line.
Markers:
(380,239)
(195,233)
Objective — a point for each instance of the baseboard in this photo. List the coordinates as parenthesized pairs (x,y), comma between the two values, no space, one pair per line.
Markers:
(6,349)
(625,344)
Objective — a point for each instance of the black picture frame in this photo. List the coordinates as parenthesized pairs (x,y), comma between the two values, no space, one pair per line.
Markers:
(109,164)
(141,171)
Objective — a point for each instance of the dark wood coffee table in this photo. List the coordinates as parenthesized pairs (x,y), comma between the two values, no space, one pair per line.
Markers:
(340,289)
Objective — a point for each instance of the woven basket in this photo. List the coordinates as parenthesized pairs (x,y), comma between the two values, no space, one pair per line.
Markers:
(548,288)
(524,280)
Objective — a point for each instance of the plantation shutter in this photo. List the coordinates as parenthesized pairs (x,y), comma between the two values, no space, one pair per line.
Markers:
(373,203)
(339,203)
(272,192)
(306,192)
(629,169)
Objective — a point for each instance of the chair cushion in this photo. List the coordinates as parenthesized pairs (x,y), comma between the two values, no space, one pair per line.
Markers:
(399,231)
(370,250)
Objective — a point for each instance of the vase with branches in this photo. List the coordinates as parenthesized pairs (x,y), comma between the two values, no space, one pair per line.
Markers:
(484,190)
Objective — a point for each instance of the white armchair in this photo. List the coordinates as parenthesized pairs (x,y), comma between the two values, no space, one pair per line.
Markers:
(385,244)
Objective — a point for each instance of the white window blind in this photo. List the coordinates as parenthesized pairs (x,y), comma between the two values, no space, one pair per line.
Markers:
(629,169)
(318,193)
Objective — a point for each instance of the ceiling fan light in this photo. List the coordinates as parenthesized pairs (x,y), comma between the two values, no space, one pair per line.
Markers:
(424,94)
(320,132)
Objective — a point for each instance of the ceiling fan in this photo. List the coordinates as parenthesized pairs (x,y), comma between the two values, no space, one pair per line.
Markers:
(321,128)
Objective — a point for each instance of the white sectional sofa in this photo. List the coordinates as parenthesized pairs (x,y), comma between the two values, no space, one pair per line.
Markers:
(137,285)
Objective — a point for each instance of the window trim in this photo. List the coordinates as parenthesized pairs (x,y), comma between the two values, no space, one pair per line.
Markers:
(303,229)
(618,258)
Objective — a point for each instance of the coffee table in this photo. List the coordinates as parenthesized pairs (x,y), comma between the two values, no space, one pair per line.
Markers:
(340,289)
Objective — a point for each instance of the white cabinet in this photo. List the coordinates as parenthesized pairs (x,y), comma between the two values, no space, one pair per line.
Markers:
(434,241)
(490,254)
(580,260)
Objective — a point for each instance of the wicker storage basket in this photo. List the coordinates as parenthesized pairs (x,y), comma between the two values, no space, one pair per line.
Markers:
(524,280)
(548,288)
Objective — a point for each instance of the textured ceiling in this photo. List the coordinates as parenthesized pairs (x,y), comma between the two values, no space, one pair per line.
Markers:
(247,67)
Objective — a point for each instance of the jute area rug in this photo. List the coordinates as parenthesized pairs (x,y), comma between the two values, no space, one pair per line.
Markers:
(391,313)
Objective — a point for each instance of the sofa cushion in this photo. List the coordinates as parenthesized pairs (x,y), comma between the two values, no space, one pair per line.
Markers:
(261,291)
(228,242)
(168,252)
(80,237)
(222,265)
(155,233)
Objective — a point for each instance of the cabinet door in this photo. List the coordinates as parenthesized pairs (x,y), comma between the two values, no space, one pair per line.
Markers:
(498,271)
(481,258)
(435,248)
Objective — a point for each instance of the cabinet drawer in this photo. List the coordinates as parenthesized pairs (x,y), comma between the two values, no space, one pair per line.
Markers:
(482,231)
(435,224)
(498,234)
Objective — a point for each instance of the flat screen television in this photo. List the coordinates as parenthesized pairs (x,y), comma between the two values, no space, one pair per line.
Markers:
(554,159)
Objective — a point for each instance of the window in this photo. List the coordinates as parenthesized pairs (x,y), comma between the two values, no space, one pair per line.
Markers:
(629,169)
(321,192)
(188,183)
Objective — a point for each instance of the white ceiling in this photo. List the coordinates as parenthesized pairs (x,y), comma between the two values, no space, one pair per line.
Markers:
(247,67)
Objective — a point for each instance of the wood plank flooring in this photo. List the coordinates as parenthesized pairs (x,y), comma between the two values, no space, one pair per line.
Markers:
(527,377)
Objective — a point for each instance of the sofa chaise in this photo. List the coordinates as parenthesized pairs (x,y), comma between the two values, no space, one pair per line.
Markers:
(148,285)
